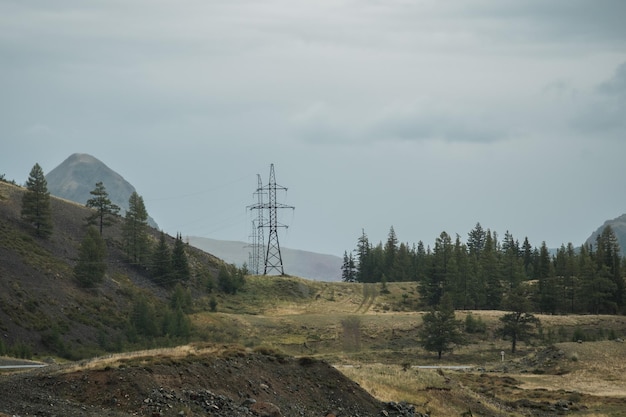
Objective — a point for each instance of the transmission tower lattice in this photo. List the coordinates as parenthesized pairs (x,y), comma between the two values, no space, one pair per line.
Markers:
(273,260)
(258,240)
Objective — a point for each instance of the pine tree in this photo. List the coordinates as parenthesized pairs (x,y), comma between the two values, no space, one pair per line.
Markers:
(162,262)
(519,324)
(105,209)
(608,257)
(348,270)
(491,272)
(364,269)
(548,297)
(36,203)
(441,330)
(460,287)
(91,266)
(527,256)
(135,229)
(180,265)
(437,282)
(476,240)
(391,251)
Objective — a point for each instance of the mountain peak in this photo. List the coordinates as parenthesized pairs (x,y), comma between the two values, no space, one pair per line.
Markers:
(77,176)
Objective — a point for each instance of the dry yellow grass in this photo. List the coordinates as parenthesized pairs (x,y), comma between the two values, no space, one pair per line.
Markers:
(430,390)
(597,368)
(149,355)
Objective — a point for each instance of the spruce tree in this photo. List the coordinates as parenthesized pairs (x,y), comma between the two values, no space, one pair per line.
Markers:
(135,230)
(519,324)
(162,262)
(105,209)
(348,271)
(441,330)
(36,203)
(608,257)
(437,282)
(180,265)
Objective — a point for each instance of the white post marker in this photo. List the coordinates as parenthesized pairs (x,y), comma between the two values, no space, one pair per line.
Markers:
(502,354)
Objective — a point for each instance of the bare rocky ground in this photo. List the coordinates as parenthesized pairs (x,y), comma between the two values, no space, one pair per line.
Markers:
(233,383)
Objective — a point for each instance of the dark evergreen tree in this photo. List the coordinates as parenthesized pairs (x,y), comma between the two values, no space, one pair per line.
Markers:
(548,294)
(460,286)
(437,281)
(441,330)
(365,266)
(105,210)
(180,264)
(596,287)
(230,279)
(348,268)
(390,251)
(162,262)
(402,268)
(512,262)
(135,230)
(476,240)
(519,324)
(91,266)
(608,258)
(490,273)
(36,203)
(421,262)
(527,256)
(572,277)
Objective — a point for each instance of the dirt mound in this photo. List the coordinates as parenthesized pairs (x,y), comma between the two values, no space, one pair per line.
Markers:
(234,383)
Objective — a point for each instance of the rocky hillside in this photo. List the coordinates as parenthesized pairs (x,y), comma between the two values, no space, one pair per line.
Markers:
(220,382)
(77,176)
(44,311)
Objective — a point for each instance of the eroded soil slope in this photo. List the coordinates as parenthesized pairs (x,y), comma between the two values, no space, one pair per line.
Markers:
(232,383)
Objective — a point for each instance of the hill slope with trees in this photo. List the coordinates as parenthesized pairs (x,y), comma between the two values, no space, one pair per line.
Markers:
(75,292)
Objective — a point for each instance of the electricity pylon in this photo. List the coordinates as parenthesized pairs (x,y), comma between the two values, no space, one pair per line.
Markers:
(258,240)
(273,260)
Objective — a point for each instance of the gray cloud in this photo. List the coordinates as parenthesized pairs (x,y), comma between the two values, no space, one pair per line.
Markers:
(605,111)
(473,91)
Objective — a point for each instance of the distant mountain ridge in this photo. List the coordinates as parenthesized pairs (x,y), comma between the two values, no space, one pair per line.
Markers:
(298,263)
(77,176)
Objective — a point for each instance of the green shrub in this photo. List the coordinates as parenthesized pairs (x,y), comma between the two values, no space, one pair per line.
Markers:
(474,325)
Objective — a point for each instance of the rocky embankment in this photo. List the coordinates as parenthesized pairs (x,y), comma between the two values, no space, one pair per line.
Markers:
(235,384)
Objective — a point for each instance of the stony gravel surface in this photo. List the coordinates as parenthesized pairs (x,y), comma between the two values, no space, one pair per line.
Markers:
(235,385)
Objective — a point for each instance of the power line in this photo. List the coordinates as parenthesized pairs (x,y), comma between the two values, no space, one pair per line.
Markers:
(273,259)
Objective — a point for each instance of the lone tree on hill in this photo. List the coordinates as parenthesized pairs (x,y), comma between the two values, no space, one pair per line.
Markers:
(36,203)
(441,331)
(519,324)
(105,209)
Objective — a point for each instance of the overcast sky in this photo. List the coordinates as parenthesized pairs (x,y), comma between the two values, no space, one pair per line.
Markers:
(427,116)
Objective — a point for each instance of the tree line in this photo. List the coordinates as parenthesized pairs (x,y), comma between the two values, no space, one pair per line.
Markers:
(483,271)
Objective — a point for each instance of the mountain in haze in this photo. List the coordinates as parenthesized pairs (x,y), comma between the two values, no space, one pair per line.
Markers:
(299,263)
(619,228)
(77,176)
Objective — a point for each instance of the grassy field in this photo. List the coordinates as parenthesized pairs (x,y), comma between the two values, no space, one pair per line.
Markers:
(371,336)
